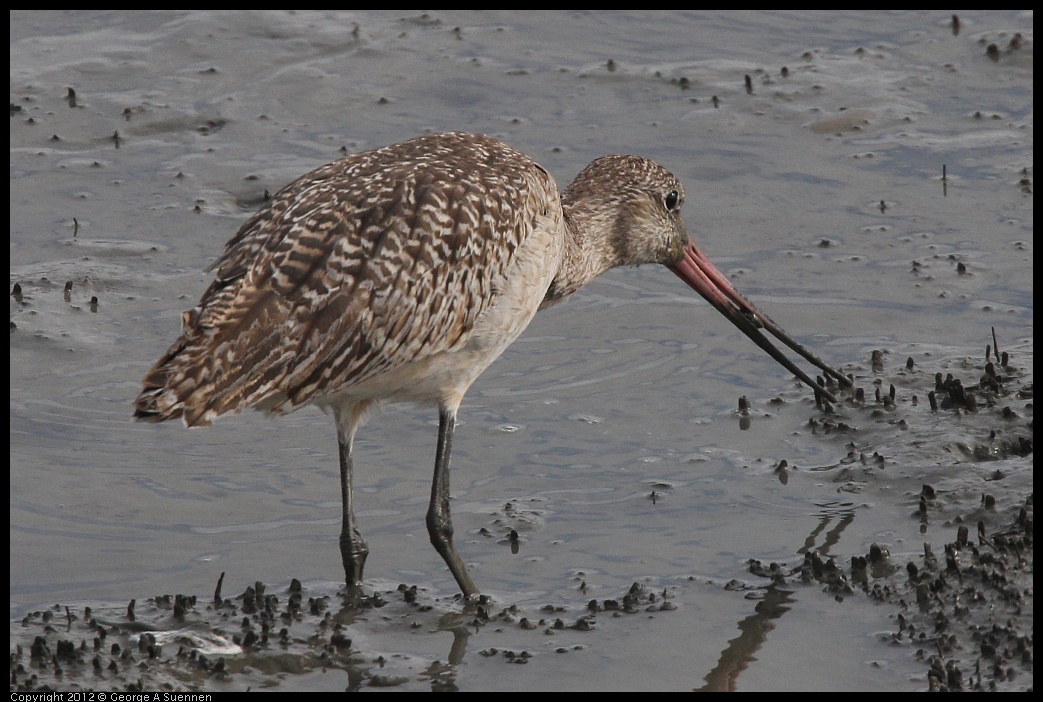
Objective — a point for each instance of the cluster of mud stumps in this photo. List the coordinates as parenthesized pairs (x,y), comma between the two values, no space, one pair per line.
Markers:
(965,609)
(258,639)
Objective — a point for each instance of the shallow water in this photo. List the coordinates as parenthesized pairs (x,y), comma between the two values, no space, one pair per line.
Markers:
(821,193)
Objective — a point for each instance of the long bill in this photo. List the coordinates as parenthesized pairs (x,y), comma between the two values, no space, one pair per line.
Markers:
(696,270)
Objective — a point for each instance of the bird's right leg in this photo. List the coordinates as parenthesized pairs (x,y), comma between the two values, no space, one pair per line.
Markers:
(353,549)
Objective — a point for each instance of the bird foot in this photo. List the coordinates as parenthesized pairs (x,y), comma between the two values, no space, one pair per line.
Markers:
(355,597)
(475,600)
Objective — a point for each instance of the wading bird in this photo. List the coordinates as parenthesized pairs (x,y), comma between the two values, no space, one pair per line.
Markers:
(400,274)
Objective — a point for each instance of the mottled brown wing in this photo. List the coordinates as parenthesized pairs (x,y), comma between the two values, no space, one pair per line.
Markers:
(358,267)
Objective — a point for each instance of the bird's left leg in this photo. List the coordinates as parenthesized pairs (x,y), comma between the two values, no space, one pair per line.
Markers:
(439,522)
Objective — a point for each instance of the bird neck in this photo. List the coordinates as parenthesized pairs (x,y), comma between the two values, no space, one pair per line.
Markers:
(588,252)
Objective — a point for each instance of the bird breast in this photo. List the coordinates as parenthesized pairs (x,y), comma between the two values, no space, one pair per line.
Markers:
(444,377)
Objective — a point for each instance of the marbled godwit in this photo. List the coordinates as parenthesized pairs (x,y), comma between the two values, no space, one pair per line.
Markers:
(400,274)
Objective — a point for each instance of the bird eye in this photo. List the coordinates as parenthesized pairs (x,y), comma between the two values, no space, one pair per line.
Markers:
(671,200)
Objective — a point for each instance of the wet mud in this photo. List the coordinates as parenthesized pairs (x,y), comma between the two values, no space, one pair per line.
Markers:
(648,502)
(962,608)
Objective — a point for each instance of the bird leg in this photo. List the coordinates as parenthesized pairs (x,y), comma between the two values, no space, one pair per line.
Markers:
(353,549)
(439,522)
